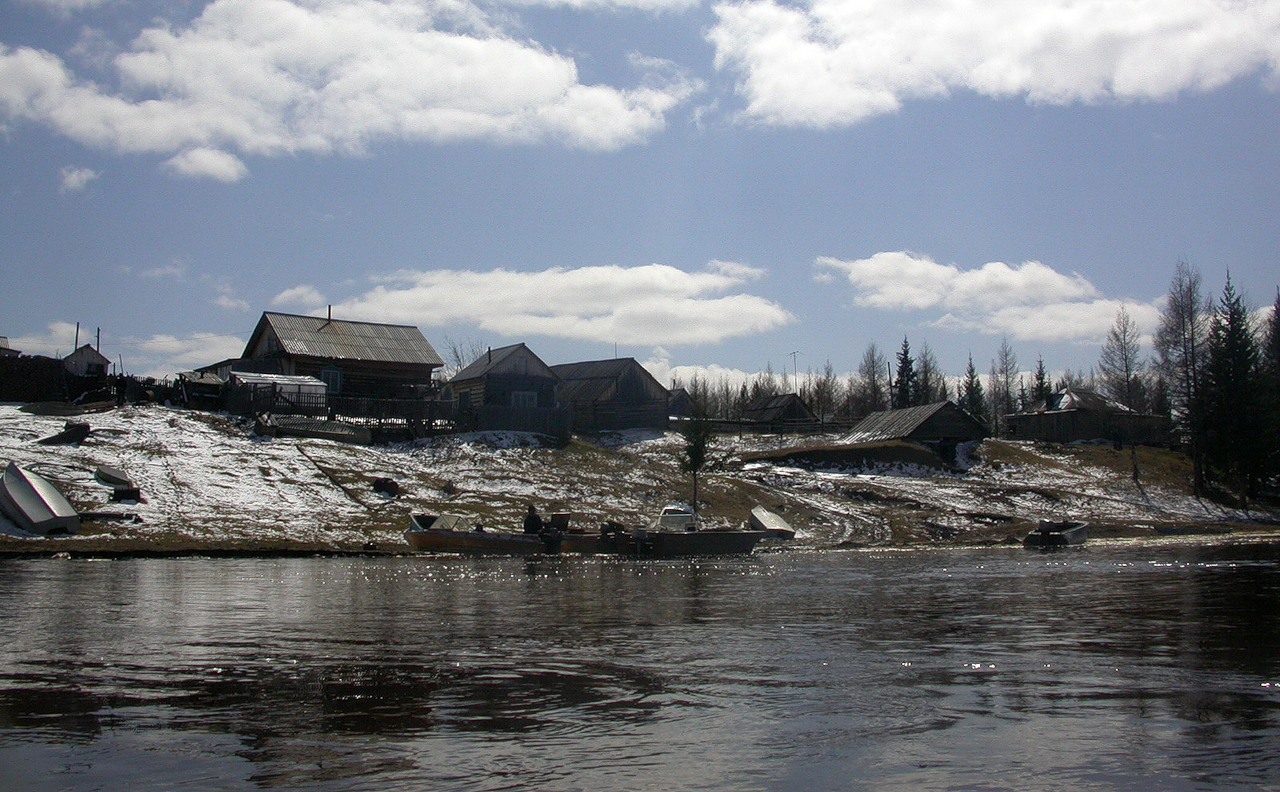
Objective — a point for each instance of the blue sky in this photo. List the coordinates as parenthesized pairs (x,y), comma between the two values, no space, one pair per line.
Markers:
(705,186)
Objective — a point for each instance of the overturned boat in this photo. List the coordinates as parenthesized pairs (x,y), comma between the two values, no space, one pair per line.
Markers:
(1057,533)
(35,505)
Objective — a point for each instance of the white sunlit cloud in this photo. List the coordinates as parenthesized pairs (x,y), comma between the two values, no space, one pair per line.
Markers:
(1029,301)
(303,297)
(75,179)
(652,304)
(825,63)
(275,77)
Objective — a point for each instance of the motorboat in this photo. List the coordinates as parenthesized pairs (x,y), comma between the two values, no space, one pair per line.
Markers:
(449,533)
(679,531)
(1057,533)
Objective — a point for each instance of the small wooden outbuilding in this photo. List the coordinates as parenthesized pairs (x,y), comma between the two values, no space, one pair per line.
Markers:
(1077,415)
(780,412)
(941,426)
(86,362)
(508,388)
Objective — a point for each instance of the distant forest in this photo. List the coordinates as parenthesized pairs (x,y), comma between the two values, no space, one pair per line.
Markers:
(1214,371)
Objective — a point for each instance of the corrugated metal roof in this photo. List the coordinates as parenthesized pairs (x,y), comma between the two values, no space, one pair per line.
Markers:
(1077,399)
(482,365)
(316,336)
(892,424)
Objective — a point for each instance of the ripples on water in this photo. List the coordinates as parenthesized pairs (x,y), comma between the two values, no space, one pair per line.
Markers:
(1116,666)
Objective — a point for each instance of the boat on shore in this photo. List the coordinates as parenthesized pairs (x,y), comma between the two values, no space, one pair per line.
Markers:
(34,504)
(449,533)
(772,524)
(1057,533)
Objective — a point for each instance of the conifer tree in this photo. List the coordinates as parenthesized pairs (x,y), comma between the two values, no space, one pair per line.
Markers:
(971,395)
(1235,451)
(904,386)
(1041,390)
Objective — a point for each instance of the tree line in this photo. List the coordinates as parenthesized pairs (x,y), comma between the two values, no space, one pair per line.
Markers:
(1214,371)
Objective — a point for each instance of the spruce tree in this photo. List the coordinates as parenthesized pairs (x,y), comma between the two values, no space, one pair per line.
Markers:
(972,398)
(1235,451)
(1041,389)
(904,386)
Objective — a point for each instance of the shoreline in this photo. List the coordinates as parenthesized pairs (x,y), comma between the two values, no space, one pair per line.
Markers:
(14,547)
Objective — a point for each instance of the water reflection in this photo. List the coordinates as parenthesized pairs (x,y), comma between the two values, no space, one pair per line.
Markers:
(1122,666)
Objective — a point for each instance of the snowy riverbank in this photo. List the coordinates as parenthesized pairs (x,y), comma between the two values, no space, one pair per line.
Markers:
(209,484)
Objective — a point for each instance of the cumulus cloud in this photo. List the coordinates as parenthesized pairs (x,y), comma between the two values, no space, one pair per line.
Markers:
(1028,301)
(643,305)
(176,270)
(303,296)
(153,356)
(76,179)
(208,163)
(275,77)
(824,63)
(649,6)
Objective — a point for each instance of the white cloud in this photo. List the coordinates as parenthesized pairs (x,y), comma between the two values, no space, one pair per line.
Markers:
(650,6)
(166,355)
(825,63)
(651,304)
(660,366)
(176,270)
(1029,301)
(228,300)
(58,339)
(76,179)
(303,296)
(208,163)
(274,77)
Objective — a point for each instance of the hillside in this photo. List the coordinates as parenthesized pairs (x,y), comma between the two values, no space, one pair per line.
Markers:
(209,484)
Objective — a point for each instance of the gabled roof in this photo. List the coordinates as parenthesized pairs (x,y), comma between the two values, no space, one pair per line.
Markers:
(88,353)
(338,339)
(592,380)
(1070,398)
(896,424)
(772,408)
(493,359)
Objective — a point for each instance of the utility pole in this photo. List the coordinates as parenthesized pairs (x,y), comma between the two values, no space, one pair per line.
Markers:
(796,368)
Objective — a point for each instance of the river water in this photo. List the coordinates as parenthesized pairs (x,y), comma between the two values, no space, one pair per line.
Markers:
(1116,666)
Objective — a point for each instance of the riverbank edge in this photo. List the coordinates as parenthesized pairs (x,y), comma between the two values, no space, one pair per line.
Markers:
(71,547)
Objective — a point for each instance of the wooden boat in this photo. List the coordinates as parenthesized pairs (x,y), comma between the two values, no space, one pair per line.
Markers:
(1057,533)
(73,432)
(449,533)
(773,525)
(114,477)
(35,505)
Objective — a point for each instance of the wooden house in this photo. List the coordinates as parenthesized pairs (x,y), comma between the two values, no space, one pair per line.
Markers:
(612,394)
(780,412)
(86,362)
(362,359)
(941,426)
(6,350)
(508,388)
(1078,415)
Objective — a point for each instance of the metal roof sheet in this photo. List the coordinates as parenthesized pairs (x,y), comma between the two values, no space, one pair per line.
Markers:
(316,336)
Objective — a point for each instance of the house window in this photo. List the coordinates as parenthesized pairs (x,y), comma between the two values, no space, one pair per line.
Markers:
(524,399)
(332,377)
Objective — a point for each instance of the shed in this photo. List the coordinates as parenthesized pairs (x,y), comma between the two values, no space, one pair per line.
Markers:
(351,358)
(86,362)
(1077,415)
(612,394)
(780,411)
(508,388)
(269,393)
(941,426)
